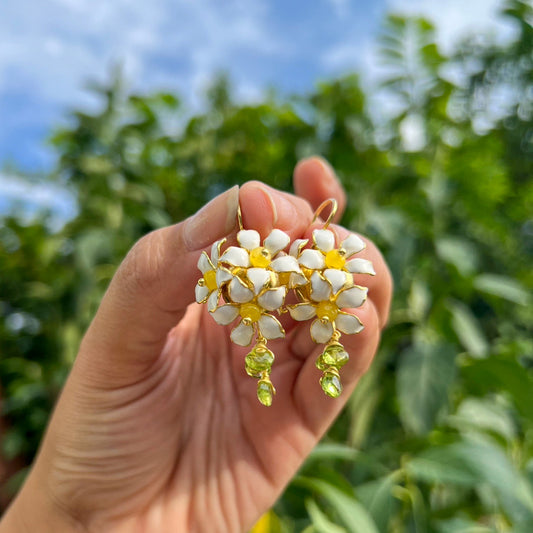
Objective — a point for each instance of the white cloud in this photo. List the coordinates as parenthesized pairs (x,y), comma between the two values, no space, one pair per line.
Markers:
(54,46)
(456,19)
(453,19)
(25,199)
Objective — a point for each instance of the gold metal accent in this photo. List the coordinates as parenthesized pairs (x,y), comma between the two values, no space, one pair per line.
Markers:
(239,217)
(321,207)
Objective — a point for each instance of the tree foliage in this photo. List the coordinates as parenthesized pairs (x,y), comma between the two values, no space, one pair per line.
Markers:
(438,436)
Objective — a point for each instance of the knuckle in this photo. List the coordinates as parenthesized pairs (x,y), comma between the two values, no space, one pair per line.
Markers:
(141,268)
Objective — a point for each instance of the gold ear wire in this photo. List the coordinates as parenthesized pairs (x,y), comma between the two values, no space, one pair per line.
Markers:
(321,208)
(239,217)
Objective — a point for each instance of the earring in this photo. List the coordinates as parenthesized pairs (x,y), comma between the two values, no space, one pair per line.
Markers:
(331,289)
(252,279)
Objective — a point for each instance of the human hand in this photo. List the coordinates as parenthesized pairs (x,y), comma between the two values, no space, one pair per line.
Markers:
(158,428)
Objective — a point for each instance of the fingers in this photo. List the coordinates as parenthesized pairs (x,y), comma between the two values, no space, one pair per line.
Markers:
(315,180)
(264,208)
(155,283)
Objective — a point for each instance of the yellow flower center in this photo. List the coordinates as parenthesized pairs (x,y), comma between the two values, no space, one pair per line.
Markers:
(284,278)
(335,259)
(327,310)
(250,311)
(260,257)
(210,278)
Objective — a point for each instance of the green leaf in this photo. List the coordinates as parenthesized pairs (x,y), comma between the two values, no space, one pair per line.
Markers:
(333,451)
(504,375)
(419,299)
(320,519)
(350,511)
(504,287)
(425,375)
(377,497)
(484,415)
(460,253)
(468,329)
(461,525)
(474,461)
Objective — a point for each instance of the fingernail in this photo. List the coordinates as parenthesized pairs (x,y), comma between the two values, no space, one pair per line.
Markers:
(215,220)
(282,207)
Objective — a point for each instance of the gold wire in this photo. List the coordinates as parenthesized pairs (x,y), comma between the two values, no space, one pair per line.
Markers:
(321,207)
(239,217)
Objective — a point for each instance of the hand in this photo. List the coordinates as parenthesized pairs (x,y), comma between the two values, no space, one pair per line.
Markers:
(158,428)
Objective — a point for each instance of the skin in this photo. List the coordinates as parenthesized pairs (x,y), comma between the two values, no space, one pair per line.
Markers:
(158,428)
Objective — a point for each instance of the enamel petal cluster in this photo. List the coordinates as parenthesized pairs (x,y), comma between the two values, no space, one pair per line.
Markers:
(246,284)
(328,297)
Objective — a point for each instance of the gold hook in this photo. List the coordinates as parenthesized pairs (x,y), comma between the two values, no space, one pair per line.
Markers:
(239,217)
(321,207)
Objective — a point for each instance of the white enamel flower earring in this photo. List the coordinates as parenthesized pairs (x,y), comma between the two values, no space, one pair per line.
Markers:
(331,290)
(253,279)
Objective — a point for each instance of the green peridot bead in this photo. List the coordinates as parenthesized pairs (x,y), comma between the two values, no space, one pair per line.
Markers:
(334,355)
(265,392)
(331,384)
(260,359)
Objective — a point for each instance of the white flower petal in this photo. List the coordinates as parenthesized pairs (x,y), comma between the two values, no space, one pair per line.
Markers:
(212,301)
(297,246)
(223,276)
(276,241)
(297,280)
(236,256)
(285,263)
(204,264)
(249,239)
(352,297)
(324,239)
(320,288)
(270,328)
(360,266)
(201,292)
(242,334)
(348,324)
(239,292)
(302,311)
(321,332)
(337,278)
(225,314)
(259,277)
(352,244)
(272,299)
(312,259)
(215,250)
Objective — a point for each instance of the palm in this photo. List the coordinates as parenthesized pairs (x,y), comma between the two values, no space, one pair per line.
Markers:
(206,425)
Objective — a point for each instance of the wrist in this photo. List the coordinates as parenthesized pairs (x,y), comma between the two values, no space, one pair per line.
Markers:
(33,510)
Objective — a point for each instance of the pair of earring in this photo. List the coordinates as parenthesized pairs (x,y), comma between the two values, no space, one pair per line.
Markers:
(253,280)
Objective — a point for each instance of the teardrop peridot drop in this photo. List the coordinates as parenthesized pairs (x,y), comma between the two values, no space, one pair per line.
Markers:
(334,355)
(265,392)
(331,384)
(258,360)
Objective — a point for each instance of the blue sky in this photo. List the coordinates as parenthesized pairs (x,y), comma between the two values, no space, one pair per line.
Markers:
(50,49)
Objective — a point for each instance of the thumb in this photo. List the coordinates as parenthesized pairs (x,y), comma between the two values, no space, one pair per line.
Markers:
(154,285)
(151,290)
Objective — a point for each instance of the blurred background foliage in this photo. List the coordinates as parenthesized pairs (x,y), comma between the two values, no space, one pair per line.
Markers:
(438,436)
